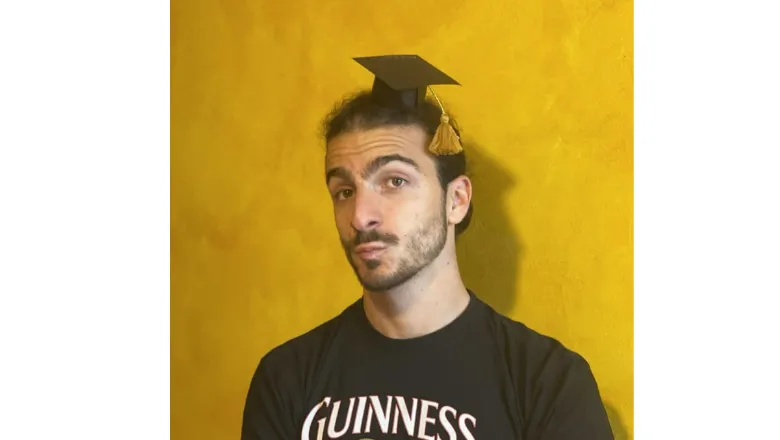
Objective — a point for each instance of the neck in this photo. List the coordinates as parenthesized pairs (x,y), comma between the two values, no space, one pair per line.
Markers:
(426,303)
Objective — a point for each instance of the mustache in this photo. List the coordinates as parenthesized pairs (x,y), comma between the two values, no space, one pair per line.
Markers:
(373,236)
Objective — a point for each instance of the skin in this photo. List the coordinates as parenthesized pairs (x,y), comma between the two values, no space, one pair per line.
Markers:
(386,195)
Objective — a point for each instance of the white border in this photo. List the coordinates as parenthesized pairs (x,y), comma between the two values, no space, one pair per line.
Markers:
(706,207)
(84,220)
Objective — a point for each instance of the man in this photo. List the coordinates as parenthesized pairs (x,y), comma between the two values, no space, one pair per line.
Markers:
(418,355)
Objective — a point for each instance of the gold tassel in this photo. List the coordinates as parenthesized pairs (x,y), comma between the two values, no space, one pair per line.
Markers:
(445,141)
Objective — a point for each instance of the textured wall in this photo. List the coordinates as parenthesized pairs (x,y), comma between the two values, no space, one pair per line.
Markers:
(546,102)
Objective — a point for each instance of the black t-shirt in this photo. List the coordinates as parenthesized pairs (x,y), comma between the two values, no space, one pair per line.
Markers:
(483,376)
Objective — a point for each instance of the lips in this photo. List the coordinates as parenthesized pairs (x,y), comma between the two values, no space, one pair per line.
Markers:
(370,250)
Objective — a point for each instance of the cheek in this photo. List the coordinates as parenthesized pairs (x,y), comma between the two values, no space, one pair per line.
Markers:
(406,218)
(342,218)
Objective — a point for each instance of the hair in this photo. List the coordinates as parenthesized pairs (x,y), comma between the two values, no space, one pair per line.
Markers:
(362,112)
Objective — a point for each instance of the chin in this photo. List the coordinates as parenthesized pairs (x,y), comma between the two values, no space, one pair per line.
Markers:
(383,279)
(374,269)
(376,284)
(374,276)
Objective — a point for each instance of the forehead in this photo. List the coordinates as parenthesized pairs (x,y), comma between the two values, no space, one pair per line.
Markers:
(357,147)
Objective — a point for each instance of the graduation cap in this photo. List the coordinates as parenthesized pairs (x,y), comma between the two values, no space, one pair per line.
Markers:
(402,81)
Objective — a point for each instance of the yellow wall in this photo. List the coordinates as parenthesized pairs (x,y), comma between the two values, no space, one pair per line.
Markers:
(548,98)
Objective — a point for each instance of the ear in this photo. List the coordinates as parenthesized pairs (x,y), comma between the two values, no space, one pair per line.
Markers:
(458,199)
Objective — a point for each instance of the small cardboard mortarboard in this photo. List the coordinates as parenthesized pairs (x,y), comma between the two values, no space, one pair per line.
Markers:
(401,81)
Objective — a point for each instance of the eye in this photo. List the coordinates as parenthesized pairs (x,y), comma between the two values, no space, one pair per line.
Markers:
(397,182)
(343,194)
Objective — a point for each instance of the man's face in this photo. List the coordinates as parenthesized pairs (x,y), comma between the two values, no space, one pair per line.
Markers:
(388,203)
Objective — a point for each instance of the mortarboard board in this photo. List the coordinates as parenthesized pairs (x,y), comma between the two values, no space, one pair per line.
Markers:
(401,81)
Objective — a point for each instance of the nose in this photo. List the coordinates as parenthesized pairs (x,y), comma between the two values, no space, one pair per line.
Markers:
(366,213)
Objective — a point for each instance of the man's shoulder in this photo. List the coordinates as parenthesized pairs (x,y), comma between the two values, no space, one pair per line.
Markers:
(303,349)
(557,392)
(530,346)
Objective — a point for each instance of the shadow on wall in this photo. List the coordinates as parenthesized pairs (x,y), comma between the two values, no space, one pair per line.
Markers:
(619,430)
(490,250)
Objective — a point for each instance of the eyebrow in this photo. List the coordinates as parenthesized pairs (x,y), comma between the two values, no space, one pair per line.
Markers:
(371,168)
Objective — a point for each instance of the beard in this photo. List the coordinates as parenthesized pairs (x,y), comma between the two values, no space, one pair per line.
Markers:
(422,246)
